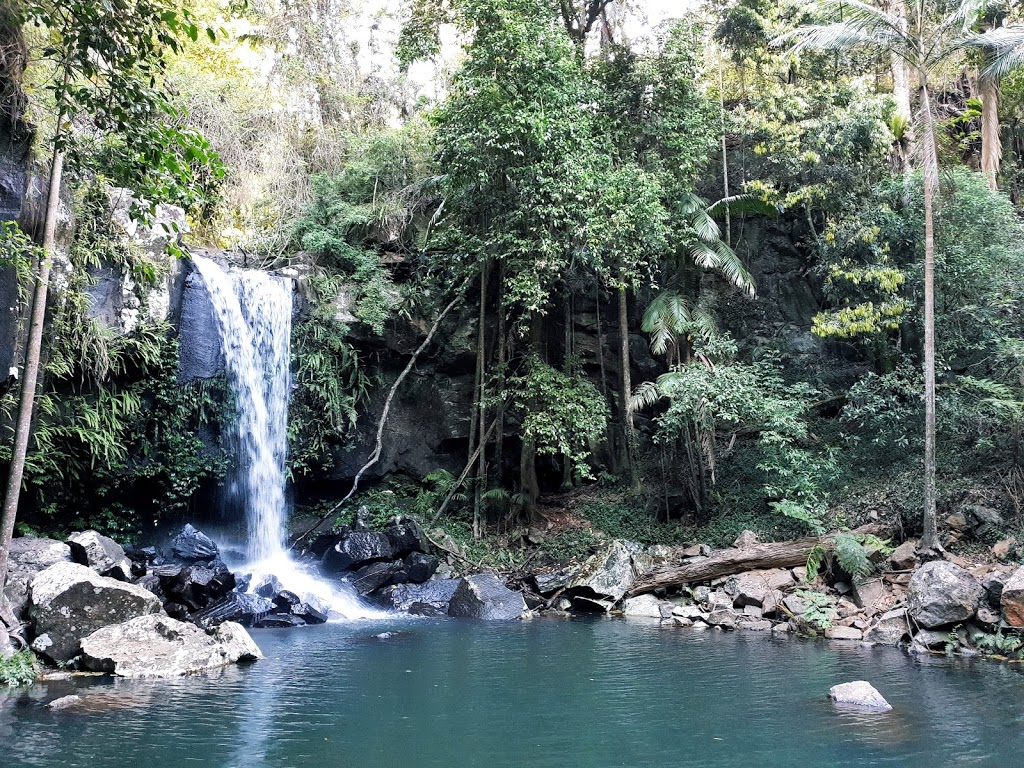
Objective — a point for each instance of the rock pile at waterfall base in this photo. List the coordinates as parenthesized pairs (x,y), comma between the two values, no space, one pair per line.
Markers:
(88,615)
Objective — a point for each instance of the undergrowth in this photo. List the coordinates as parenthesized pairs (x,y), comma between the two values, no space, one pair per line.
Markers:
(21,668)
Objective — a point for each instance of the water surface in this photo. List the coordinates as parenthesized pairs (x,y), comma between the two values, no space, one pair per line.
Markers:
(540,694)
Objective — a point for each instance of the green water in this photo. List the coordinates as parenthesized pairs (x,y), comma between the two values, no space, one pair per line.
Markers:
(547,693)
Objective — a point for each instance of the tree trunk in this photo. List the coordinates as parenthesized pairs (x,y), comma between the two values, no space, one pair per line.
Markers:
(780,554)
(901,87)
(627,384)
(930,538)
(478,401)
(23,427)
(529,485)
(991,144)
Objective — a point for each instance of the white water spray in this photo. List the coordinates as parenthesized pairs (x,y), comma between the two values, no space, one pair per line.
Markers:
(253,310)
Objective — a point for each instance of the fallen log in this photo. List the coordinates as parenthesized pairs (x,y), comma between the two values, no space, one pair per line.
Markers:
(726,562)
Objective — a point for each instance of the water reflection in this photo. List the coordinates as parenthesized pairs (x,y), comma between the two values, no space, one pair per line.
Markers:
(540,694)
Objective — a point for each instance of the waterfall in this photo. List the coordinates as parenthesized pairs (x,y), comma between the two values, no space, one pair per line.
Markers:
(253,310)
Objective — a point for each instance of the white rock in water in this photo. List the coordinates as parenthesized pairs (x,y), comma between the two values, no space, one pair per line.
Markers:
(860,694)
(644,605)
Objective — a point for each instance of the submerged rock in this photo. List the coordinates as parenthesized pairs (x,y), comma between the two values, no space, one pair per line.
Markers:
(194,546)
(485,596)
(28,556)
(159,646)
(860,695)
(64,702)
(102,554)
(943,593)
(68,602)
(355,549)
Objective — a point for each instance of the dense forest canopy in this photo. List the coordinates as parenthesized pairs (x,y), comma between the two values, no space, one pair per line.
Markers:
(741,264)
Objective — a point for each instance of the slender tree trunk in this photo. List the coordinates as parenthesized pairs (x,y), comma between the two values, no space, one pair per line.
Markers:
(478,400)
(529,485)
(930,537)
(609,437)
(901,86)
(627,384)
(567,469)
(499,439)
(991,144)
(725,156)
(30,376)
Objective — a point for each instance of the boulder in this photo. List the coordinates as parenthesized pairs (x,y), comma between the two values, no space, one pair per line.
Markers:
(406,536)
(647,606)
(549,583)
(269,587)
(159,646)
(993,584)
(312,610)
(755,625)
(859,695)
(243,608)
(68,602)
(197,586)
(746,540)
(426,609)
(688,612)
(420,566)
(928,640)
(904,557)
(372,577)
(1011,599)
(279,621)
(28,556)
(65,702)
(193,546)
(605,577)
(891,628)
(1002,549)
(485,596)
(436,593)
(943,593)
(355,549)
(868,593)
(723,618)
(758,587)
(102,554)
(843,633)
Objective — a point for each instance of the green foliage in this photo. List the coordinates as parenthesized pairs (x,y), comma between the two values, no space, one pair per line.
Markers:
(633,520)
(570,545)
(1000,644)
(563,413)
(819,613)
(21,668)
(851,555)
(17,252)
(330,386)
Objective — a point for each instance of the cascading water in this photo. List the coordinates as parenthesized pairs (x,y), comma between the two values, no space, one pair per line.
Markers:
(253,310)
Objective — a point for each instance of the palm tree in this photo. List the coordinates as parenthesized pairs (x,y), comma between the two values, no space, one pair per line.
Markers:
(1002,51)
(925,34)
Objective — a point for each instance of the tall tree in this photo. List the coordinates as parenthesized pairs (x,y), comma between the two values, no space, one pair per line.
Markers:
(932,33)
(106,59)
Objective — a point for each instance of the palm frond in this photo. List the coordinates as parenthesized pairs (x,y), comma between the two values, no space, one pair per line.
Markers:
(644,396)
(666,317)
(738,204)
(1006,48)
(836,37)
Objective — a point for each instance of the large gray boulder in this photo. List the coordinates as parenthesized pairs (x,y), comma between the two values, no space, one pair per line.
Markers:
(485,596)
(68,602)
(859,695)
(891,628)
(943,593)
(159,646)
(435,594)
(356,549)
(28,556)
(102,554)
(605,577)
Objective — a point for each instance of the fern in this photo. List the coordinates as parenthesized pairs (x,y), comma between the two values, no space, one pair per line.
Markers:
(852,556)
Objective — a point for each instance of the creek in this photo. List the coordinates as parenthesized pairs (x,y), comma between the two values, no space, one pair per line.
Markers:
(539,694)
